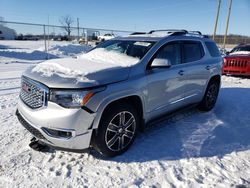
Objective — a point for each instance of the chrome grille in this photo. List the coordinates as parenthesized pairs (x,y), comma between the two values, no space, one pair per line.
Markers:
(236,63)
(33,94)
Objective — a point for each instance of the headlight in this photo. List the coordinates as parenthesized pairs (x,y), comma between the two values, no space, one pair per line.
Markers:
(72,98)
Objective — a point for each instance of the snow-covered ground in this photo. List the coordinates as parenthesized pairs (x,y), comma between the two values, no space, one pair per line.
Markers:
(190,149)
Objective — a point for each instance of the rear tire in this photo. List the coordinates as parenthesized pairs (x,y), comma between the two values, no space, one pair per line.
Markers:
(117,130)
(209,100)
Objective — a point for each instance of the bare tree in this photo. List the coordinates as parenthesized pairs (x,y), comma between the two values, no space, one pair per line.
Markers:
(67,22)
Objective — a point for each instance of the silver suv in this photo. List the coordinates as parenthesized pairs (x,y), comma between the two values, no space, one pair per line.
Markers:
(76,103)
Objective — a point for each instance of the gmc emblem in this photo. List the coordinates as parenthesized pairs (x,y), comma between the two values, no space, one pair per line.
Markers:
(25,87)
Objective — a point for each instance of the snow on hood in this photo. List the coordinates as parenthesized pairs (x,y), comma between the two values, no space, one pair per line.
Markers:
(104,56)
(50,68)
(240,53)
(79,68)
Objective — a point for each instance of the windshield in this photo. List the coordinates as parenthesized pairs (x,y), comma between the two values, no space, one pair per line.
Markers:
(135,49)
(241,48)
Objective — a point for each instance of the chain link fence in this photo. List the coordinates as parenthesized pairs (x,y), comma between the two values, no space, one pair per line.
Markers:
(30,31)
(83,35)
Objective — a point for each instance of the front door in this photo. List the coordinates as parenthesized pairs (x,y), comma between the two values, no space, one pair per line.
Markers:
(165,84)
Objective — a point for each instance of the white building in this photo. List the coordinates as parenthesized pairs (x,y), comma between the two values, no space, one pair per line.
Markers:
(7,33)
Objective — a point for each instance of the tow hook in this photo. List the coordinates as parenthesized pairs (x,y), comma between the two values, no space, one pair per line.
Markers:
(36,145)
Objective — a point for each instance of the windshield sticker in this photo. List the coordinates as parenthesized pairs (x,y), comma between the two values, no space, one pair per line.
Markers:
(142,43)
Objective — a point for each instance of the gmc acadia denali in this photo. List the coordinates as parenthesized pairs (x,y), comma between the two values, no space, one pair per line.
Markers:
(75,103)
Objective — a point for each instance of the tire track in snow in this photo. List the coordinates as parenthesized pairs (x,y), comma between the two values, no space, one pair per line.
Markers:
(8,91)
(7,79)
(9,83)
(8,100)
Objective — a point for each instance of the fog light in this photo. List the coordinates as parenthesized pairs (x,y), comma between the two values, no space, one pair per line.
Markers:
(57,133)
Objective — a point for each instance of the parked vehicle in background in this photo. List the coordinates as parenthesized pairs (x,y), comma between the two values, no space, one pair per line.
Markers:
(103,98)
(237,61)
(30,37)
(106,36)
(82,40)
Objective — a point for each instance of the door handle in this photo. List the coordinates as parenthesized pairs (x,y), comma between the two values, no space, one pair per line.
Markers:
(208,67)
(181,72)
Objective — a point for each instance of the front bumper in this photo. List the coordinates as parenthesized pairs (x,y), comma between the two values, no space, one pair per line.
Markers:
(77,122)
(237,67)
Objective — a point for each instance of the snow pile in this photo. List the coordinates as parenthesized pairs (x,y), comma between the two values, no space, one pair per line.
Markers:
(21,44)
(25,54)
(104,56)
(34,52)
(67,49)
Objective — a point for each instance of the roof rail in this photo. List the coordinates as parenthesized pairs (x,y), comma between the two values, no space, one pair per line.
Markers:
(178,32)
(169,31)
(195,32)
(138,33)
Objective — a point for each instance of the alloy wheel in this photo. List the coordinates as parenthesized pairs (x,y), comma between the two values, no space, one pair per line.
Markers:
(120,131)
(211,95)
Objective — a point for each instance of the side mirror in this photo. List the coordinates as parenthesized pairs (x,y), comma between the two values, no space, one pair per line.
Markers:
(161,63)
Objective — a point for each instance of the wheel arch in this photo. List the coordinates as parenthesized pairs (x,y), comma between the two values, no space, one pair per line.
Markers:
(135,100)
(216,78)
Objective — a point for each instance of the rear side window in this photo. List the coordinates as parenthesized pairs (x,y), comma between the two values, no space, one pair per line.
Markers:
(192,51)
(213,49)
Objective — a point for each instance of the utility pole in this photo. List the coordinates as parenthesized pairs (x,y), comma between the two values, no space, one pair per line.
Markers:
(228,17)
(45,43)
(48,40)
(217,17)
(78,29)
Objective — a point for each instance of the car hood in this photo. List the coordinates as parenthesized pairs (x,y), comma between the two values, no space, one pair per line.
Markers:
(238,56)
(76,73)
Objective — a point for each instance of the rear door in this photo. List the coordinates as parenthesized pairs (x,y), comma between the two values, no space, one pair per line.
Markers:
(197,70)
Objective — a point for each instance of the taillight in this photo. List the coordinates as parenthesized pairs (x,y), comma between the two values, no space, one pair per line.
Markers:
(224,62)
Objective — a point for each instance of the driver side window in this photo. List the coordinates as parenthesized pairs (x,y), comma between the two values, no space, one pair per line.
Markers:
(118,47)
(171,53)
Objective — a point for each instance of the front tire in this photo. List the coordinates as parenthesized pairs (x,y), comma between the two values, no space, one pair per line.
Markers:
(209,100)
(117,130)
